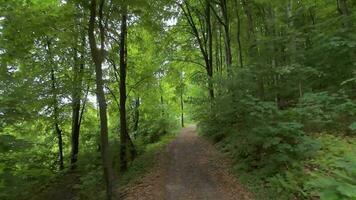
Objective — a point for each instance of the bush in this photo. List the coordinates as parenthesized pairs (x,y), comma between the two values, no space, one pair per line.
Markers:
(257,135)
(322,111)
(151,131)
(275,144)
(333,175)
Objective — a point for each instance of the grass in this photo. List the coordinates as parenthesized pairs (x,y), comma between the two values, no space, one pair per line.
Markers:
(144,162)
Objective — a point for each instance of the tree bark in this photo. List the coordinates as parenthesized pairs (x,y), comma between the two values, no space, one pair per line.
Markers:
(226,25)
(97,56)
(181,98)
(78,69)
(345,12)
(343,8)
(239,34)
(132,147)
(204,38)
(248,12)
(253,51)
(209,57)
(124,136)
(136,114)
(55,114)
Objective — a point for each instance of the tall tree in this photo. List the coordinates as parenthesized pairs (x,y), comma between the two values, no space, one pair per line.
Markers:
(224,20)
(123,65)
(238,33)
(201,27)
(78,69)
(98,58)
(55,105)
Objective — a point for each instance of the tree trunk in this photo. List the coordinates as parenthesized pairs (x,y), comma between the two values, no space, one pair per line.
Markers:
(136,114)
(75,114)
(204,39)
(253,50)
(209,56)
(239,34)
(227,37)
(181,99)
(55,115)
(161,99)
(56,123)
(250,28)
(182,109)
(97,56)
(76,104)
(131,147)
(123,65)
(343,8)
(345,12)
(248,12)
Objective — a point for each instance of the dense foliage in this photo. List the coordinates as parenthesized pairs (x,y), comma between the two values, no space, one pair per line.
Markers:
(278,112)
(89,90)
(47,83)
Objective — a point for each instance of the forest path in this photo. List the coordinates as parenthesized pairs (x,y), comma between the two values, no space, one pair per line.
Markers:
(189,168)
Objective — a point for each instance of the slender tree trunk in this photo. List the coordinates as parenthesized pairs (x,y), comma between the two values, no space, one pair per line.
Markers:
(75,113)
(250,28)
(227,37)
(136,114)
(60,146)
(209,58)
(342,7)
(221,52)
(78,69)
(239,34)
(217,47)
(123,65)
(181,98)
(55,116)
(161,98)
(56,123)
(253,51)
(204,39)
(131,147)
(248,12)
(97,56)
(345,12)
(182,109)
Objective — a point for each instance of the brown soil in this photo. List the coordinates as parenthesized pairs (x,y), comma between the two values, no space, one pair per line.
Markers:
(189,168)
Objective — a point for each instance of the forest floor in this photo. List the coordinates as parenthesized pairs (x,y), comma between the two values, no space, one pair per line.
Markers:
(189,168)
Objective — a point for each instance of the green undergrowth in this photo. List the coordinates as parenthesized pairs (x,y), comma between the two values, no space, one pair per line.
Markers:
(145,161)
(303,151)
(92,185)
(329,175)
(86,182)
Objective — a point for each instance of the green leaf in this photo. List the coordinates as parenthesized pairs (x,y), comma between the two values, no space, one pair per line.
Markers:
(329,195)
(353,126)
(347,190)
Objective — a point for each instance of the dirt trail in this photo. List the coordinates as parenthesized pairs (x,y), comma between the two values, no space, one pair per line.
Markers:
(188,169)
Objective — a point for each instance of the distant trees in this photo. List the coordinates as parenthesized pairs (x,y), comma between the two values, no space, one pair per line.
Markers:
(199,20)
